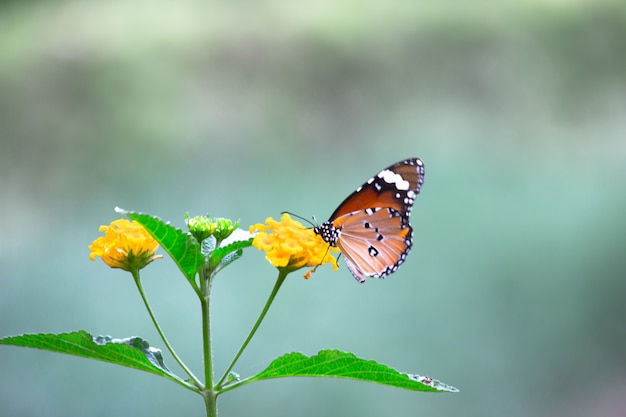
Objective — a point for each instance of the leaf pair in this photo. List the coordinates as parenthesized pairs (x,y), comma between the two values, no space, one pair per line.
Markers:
(136,353)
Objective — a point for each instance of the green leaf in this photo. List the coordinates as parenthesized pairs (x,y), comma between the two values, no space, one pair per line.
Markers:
(230,258)
(183,248)
(337,364)
(224,255)
(132,352)
(208,246)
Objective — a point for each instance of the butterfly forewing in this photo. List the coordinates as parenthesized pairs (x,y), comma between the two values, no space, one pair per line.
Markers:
(395,186)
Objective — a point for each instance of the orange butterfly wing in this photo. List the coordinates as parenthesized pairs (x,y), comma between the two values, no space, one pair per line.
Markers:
(371,227)
(387,189)
(374,242)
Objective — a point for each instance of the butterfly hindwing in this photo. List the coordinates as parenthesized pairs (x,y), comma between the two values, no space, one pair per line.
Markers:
(371,227)
(375,242)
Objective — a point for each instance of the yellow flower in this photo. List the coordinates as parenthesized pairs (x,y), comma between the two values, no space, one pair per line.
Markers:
(126,245)
(288,244)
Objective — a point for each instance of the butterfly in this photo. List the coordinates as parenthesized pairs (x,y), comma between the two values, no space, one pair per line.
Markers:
(371,227)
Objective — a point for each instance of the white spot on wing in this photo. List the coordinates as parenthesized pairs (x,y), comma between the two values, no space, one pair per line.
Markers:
(391,177)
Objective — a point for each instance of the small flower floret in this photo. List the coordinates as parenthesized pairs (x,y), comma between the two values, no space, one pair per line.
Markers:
(224,227)
(200,227)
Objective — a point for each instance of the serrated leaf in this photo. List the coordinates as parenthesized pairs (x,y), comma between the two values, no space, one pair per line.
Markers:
(184,250)
(208,245)
(224,255)
(337,364)
(230,258)
(132,352)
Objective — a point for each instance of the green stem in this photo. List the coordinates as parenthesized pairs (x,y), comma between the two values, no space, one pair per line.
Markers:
(206,341)
(210,402)
(195,380)
(208,393)
(282,274)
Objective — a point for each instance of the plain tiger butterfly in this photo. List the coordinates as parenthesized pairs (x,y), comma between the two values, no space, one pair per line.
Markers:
(371,227)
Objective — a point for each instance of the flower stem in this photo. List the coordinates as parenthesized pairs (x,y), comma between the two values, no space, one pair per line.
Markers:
(206,338)
(209,394)
(210,402)
(282,274)
(195,380)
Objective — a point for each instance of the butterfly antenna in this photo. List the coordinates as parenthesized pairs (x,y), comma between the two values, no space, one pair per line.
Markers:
(301,218)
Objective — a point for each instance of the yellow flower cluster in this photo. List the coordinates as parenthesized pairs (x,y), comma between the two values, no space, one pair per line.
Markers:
(288,244)
(126,245)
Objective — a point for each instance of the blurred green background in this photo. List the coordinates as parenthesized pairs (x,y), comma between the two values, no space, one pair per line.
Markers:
(514,292)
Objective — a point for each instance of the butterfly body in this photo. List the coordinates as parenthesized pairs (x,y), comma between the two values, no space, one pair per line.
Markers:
(371,227)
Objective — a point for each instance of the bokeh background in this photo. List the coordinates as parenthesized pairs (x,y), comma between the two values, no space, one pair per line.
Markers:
(515,290)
